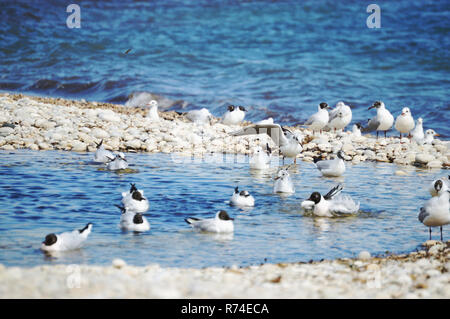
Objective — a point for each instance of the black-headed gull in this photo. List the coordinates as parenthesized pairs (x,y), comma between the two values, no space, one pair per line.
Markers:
(153,110)
(417,133)
(436,211)
(234,115)
(404,122)
(339,117)
(438,184)
(260,158)
(331,205)
(383,121)
(118,162)
(134,200)
(242,198)
(221,223)
(334,167)
(283,182)
(67,240)
(101,154)
(318,120)
(430,134)
(132,221)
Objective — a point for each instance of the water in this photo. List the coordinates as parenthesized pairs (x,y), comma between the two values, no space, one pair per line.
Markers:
(45,192)
(279,59)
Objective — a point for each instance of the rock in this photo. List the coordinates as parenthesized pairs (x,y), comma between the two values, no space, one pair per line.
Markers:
(78,146)
(118,263)
(108,115)
(434,164)
(99,133)
(400,173)
(430,243)
(424,158)
(5,131)
(7,147)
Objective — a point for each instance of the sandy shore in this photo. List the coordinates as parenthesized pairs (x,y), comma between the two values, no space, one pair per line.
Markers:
(421,274)
(53,123)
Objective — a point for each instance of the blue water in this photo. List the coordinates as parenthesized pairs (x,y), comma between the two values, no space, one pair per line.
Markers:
(278,58)
(50,191)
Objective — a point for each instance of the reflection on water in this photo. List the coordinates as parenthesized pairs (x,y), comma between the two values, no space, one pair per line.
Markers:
(44,192)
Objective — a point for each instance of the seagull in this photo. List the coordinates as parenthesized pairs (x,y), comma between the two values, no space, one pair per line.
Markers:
(132,220)
(286,140)
(404,122)
(339,117)
(67,240)
(417,132)
(356,130)
(330,204)
(429,136)
(436,211)
(242,198)
(318,120)
(153,111)
(334,167)
(101,154)
(201,116)
(261,158)
(222,223)
(234,115)
(118,162)
(283,182)
(134,200)
(439,184)
(382,121)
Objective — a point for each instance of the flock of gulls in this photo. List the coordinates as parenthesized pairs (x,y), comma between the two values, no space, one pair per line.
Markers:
(434,213)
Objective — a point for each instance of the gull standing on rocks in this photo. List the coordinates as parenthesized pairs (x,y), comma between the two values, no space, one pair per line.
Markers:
(417,132)
(356,130)
(134,200)
(334,167)
(234,115)
(118,162)
(429,137)
(101,154)
(283,182)
(404,122)
(261,158)
(132,221)
(436,211)
(222,223)
(318,120)
(382,121)
(339,117)
(330,204)
(242,198)
(153,111)
(67,240)
(286,140)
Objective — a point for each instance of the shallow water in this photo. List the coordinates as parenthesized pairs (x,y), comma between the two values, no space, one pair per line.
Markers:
(44,192)
(278,58)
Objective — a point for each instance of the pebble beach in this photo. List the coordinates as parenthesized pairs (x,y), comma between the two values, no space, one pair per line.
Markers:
(38,123)
(420,274)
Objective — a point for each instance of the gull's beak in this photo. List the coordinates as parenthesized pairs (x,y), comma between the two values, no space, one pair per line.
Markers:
(436,134)
(276,178)
(371,107)
(231,218)
(403,114)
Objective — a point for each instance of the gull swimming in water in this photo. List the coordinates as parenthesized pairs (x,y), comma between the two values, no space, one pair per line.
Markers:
(67,240)
(383,121)
(286,140)
(221,223)
(261,158)
(334,167)
(417,133)
(134,200)
(436,211)
(404,122)
(101,154)
(330,204)
(234,115)
(242,198)
(318,120)
(283,182)
(118,162)
(132,221)
(153,111)
(339,117)
(201,116)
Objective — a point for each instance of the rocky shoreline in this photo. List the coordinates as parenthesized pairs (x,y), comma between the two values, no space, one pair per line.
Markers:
(39,123)
(420,274)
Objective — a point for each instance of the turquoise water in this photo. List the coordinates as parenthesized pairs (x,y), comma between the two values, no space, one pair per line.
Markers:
(51,191)
(278,58)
